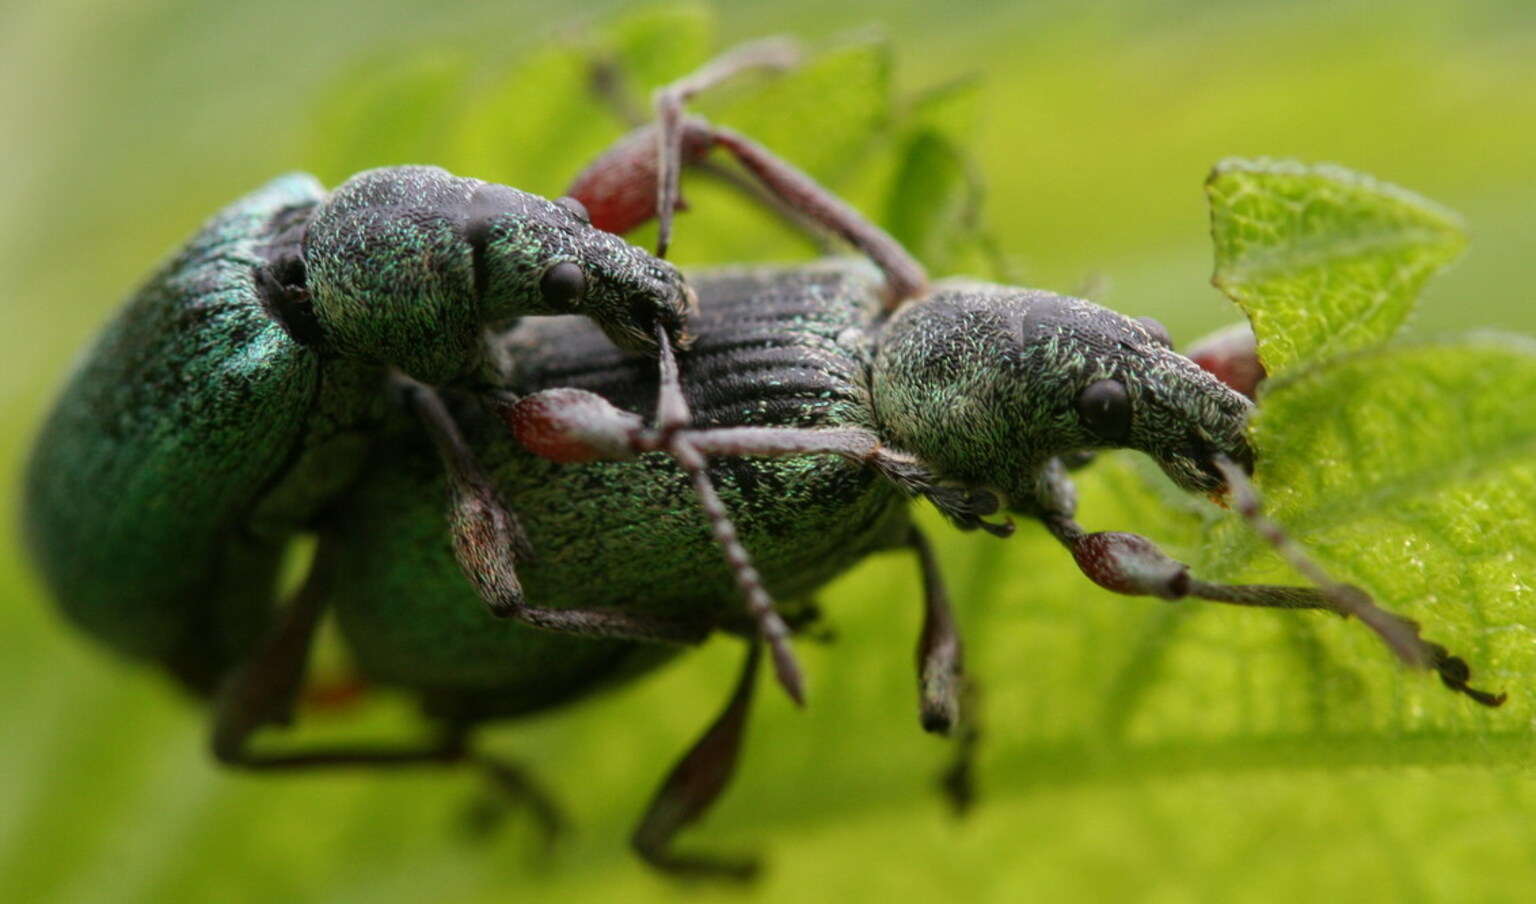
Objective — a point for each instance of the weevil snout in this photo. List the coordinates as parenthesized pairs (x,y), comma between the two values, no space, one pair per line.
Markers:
(1198,421)
(658,299)
(672,318)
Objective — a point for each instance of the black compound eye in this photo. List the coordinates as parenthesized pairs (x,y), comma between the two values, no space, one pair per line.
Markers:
(563,285)
(1105,407)
(577,209)
(1160,333)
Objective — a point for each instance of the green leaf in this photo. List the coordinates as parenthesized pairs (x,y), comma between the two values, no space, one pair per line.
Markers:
(952,109)
(933,197)
(1323,260)
(656,44)
(1409,470)
(932,205)
(524,128)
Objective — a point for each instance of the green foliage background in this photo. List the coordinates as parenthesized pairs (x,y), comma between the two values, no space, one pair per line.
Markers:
(1134,751)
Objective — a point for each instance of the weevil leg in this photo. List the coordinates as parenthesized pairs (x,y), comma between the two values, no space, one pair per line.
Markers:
(1399,633)
(514,789)
(1133,565)
(264,689)
(570,425)
(671,138)
(693,786)
(620,189)
(946,695)
(487,542)
(904,277)
(965,508)
(625,187)
(940,659)
(654,156)
(672,419)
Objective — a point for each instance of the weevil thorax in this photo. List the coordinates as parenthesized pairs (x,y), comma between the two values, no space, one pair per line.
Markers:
(409,265)
(987,384)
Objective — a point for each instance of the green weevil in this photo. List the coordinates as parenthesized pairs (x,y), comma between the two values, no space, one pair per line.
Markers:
(235,395)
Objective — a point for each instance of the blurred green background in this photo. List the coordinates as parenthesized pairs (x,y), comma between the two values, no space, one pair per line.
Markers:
(123,124)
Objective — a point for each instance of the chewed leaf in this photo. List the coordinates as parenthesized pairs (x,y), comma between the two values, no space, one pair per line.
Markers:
(1323,260)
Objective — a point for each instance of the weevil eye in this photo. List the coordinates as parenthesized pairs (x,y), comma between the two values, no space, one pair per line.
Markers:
(1160,333)
(1105,407)
(563,285)
(577,209)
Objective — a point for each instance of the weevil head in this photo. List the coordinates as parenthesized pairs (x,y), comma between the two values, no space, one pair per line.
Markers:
(986,384)
(409,265)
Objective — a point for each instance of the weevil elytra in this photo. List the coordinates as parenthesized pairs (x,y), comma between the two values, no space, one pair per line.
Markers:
(234,396)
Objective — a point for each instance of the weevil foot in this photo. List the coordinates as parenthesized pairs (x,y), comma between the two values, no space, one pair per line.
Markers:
(1455,673)
(958,781)
(509,789)
(1399,633)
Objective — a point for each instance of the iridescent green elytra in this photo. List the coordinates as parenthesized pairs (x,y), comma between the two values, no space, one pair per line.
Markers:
(236,394)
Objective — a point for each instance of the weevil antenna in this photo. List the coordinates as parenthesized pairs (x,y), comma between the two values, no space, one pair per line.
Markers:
(1399,633)
(672,417)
